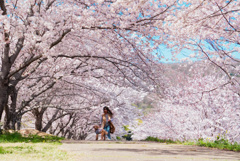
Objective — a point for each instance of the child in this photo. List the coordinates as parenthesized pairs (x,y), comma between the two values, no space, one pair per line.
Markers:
(100,131)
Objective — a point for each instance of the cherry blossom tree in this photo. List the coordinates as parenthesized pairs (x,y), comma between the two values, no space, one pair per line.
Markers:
(110,44)
(119,101)
(19,51)
(201,106)
(62,59)
(209,29)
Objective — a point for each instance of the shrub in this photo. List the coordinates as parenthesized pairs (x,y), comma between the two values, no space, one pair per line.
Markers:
(118,137)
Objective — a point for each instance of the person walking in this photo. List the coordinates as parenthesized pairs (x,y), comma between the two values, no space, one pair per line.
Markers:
(106,120)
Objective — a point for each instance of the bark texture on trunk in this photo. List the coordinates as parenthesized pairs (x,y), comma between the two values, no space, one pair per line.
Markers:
(38,116)
(3,97)
(11,115)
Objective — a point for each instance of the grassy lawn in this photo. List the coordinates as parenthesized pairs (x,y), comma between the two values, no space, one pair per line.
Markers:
(15,147)
(33,152)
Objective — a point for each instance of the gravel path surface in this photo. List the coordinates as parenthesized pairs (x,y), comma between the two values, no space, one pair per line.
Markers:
(144,151)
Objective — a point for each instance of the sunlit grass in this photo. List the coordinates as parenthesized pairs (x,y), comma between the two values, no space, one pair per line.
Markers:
(168,141)
(17,137)
(219,143)
(33,152)
(15,147)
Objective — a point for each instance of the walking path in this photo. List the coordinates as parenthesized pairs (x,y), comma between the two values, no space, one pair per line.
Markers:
(144,151)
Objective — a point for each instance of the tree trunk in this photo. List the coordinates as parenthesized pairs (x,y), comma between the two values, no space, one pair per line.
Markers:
(38,116)
(11,118)
(53,131)
(3,8)
(3,96)
(65,133)
(48,125)
(19,121)
(38,122)
(70,134)
(6,66)
(82,136)
(62,127)
(6,118)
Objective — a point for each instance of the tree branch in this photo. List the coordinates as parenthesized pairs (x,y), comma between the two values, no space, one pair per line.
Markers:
(19,46)
(60,38)
(214,62)
(25,65)
(3,8)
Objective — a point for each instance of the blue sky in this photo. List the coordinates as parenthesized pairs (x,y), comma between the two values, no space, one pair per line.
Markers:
(186,53)
(169,58)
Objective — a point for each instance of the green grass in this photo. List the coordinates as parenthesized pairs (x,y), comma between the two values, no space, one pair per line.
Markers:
(168,141)
(17,137)
(219,143)
(14,147)
(33,151)
(4,150)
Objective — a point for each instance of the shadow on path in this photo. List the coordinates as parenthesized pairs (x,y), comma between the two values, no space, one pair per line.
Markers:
(180,150)
(145,151)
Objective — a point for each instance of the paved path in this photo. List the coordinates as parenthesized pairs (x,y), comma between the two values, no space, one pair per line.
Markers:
(144,151)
